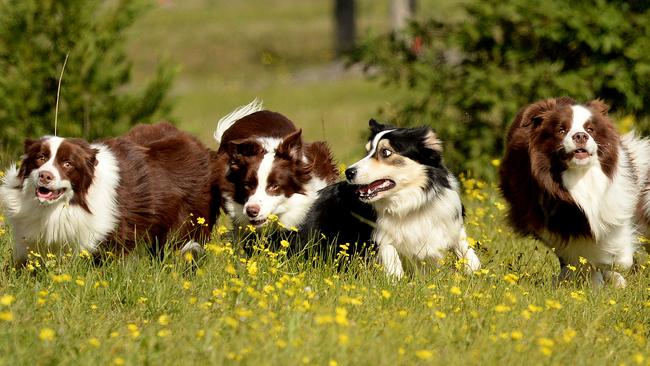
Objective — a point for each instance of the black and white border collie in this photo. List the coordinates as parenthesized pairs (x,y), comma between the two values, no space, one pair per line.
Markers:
(419,211)
(575,184)
(147,185)
(268,169)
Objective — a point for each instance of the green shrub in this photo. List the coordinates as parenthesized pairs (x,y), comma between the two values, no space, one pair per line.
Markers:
(468,78)
(96,99)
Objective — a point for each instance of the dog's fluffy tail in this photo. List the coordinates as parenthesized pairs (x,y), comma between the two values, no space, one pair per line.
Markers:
(226,122)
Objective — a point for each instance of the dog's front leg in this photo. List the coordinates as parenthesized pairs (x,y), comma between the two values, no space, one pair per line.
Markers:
(389,258)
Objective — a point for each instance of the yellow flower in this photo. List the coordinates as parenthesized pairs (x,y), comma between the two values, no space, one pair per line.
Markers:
(496,162)
(47,334)
(80,282)
(501,308)
(385,294)
(272,217)
(6,316)
(284,243)
(455,290)
(119,361)
(545,342)
(582,260)
(568,335)
(511,278)
(341,316)
(440,314)
(343,339)
(62,278)
(164,333)
(553,304)
(424,354)
(163,319)
(516,335)
(222,230)
(200,220)
(252,268)
(7,300)
(333,363)
(187,285)
(94,342)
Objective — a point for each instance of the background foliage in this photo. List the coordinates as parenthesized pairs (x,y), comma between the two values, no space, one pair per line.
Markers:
(467,78)
(95,100)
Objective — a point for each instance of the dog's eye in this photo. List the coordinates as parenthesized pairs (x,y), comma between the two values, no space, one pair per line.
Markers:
(67,165)
(40,159)
(385,153)
(590,130)
(561,131)
(273,187)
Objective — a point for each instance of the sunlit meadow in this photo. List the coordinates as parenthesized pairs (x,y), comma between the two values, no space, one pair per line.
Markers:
(268,308)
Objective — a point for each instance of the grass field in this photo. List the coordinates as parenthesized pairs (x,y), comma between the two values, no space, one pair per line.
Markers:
(270,309)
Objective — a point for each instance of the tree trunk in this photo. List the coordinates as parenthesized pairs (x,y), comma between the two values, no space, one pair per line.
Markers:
(346,27)
(401,11)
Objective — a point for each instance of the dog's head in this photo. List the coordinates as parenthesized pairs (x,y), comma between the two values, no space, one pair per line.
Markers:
(266,173)
(58,170)
(560,134)
(398,159)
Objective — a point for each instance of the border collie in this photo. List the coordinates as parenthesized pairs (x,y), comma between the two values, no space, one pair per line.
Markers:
(575,184)
(419,211)
(150,184)
(269,171)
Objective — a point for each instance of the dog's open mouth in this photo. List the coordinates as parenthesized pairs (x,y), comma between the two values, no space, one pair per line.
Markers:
(580,154)
(46,194)
(371,190)
(257,222)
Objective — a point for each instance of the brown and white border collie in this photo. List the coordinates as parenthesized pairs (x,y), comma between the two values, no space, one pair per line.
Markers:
(269,169)
(579,187)
(418,208)
(144,186)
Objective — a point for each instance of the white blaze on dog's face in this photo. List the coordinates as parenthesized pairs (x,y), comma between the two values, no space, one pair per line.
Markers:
(58,170)
(578,142)
(390,165)
(282,173)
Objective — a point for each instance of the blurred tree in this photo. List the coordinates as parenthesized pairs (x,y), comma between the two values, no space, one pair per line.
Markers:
(468,78)
(95,101)
(345,25)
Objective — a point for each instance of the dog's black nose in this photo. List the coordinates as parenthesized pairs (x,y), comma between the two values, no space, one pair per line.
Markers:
(350,173)
(580,138)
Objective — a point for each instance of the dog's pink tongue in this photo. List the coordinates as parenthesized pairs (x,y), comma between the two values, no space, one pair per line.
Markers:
(581,155)
(45,194)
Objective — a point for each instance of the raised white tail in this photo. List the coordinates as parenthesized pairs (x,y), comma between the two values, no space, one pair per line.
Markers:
(226,122)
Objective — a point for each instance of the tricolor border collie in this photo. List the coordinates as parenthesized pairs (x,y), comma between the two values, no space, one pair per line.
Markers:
(268,169)
(418,208)
(146,186)
(575,184)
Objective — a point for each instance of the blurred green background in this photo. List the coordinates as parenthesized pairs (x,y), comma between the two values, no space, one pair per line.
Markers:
(281,51)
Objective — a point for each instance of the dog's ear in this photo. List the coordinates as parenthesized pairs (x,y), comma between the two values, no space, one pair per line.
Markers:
(431,140)
(291,146)
(29,143)
(376,127)
(598,106)
(534,114)
(243,147)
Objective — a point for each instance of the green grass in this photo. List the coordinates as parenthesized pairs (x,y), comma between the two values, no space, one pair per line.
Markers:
(270,309)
